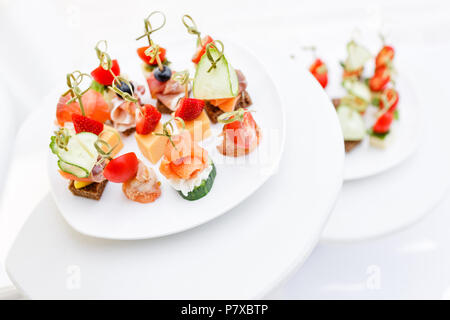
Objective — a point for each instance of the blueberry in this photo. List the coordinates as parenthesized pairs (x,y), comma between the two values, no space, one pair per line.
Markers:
(164,75)
(123,86)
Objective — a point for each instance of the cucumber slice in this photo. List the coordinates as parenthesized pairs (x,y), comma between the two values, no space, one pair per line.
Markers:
(72,169)
(203,189)
(219,83)
(81,155)
(358,89)
(98,87)
(352,123)
(357,56)
(233,80)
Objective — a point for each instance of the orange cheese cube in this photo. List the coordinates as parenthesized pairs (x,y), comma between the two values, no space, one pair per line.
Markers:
(152,146)
(111,136)
(199,128)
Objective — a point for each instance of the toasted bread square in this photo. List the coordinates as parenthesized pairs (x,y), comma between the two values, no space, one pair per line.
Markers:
(93,191)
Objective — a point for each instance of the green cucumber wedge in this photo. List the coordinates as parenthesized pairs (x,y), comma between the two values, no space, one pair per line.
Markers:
(100,88)
(219,83)
(352,123)
(357,56)
(203,189)
(80,156)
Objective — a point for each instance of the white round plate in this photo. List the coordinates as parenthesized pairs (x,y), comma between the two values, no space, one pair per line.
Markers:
(116,217)
(365,161)
(397,198)
(240,255)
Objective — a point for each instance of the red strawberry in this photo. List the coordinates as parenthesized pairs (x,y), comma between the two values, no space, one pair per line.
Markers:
(85,124)
(383,123)
(189,109)
(320,72)
(147,120)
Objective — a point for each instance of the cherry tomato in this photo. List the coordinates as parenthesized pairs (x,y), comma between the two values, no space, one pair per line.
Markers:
(105,77)
(146,59)
(391,95)
(384,57)
(201,49)
(122,169)
(244,131)
(380,79)
(383,123)
(320,72)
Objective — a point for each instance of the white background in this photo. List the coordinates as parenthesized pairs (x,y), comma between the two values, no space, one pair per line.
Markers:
(43,40)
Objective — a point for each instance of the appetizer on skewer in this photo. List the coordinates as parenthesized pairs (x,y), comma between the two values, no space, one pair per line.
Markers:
(84,146)
(156,70)
(120,94)
(318,68)
(378,90)
(380,133)
(139,183)
(191,110)
(185,164)
(221,86)
(241,135)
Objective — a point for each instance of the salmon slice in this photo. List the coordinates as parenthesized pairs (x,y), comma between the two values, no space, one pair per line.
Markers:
(94,105)
(185,160)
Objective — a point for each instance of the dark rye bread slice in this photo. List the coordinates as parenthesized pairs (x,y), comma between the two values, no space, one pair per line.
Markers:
(336,102)
(93,191)
(125,133)
(214,112)
(162,108)
(350,145)
(129,132)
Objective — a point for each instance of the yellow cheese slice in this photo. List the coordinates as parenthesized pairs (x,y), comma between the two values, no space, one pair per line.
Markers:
(112,137)
(152,146)
(81,184)
(199,128)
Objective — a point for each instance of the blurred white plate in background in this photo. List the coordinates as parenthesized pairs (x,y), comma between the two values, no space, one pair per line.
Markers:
(385,203)
(365,160)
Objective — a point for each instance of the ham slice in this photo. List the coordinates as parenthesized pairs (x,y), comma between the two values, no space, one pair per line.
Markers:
(168,93)
(123,114)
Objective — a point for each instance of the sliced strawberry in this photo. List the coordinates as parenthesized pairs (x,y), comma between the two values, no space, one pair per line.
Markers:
(320,72)
(105,77)
(189,108)
(85,124)
(147,121)
(384,57)
(146,58)
(380,79)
